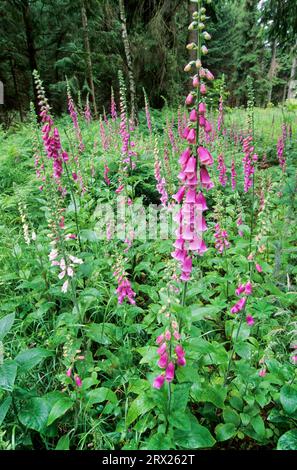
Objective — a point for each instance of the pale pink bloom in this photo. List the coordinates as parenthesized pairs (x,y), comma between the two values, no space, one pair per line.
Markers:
(65,286)
(75,260)
(61,274)
(70,271)
(53,254)
(167,335)
(169,373)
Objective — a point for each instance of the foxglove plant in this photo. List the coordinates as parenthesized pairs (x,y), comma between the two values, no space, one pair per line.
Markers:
(113,107)
(124,289)
(194,160)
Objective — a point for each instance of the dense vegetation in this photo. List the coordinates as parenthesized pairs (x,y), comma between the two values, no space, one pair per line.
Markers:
(147,256)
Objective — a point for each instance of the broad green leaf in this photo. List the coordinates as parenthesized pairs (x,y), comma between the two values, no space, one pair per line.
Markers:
(6,324)
(34,413)
(8,372)
(101,394)
(4,407)
(197,437)
(288,441)
(158,441)
(225,431)
(28,359)
(258,426)
(199,313)
(288,398)
(63,443)
(103,333)
(59,409)
(139,407)
(231,416)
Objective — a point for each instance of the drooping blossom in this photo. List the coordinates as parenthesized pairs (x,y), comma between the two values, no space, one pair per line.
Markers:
(248,160)
(250,320)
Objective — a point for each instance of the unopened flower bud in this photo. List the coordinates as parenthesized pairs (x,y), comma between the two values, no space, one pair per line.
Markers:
(187,68)
(192,26)
(202,17)
(206,36)
(195,15)
(201,26)
(204,50)
(190,46)
(202,10)
(198,64)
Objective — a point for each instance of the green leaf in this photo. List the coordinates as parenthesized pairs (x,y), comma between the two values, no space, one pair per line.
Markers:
(6,324)
(258,426)
(212,393)
(101,394)
(59,409)
(63,443)
(197,437)
(28,359)
(199,313)
(104,333)
(231,416)
(4,407)
(288,441)
(288,398)
(34,413)
(139,407)
(158,442)
(8,372)
(225,431)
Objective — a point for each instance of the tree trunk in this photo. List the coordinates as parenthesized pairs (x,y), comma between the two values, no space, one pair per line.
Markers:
(272,71)
(292,82)
(88,53)
(16,89)
(134,115)
(26,12)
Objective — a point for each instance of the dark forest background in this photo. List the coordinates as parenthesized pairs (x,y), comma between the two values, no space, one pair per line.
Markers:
(84,40)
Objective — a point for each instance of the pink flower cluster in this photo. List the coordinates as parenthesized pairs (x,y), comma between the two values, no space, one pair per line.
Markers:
(113,108)
(245,289)
(161,184)
(248,162)
(221,237)
(65,266)
(167,360)
(233,175)
(105,174)
(52,145)
(281,148)
(74,117)
(124,289)
(193,162)
(222,170)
